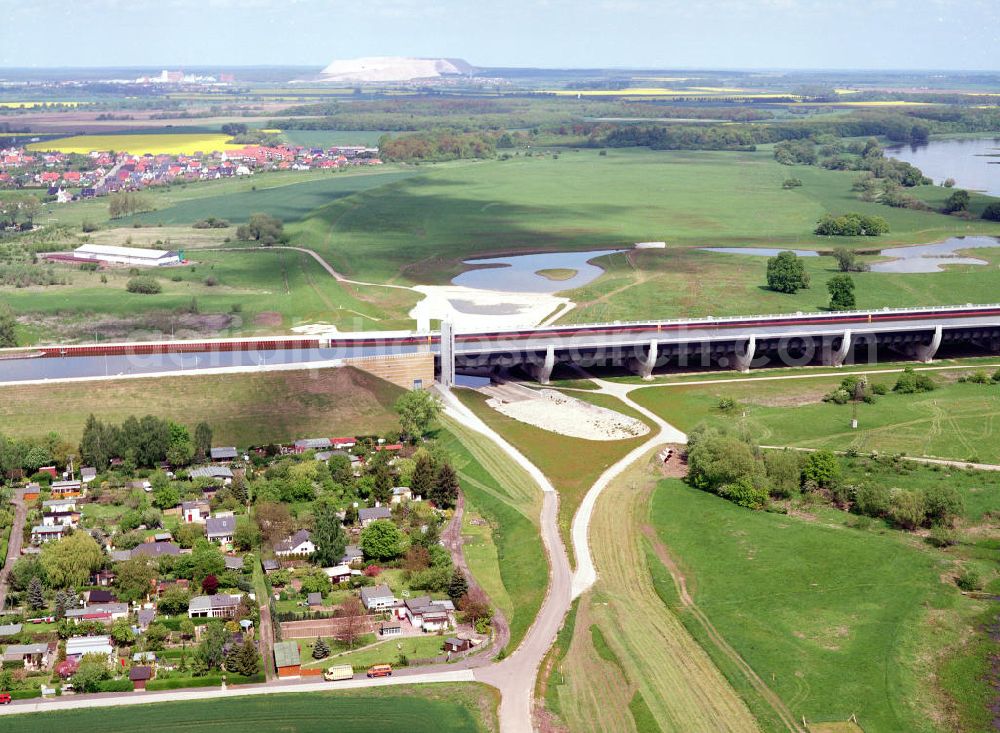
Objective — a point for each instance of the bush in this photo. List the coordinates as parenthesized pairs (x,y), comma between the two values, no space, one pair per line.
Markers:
(211,281)
(992,212)
(144,284)
(784,472)
(944,504)
(910,382)
(941,536)
(969,580)
(872,500)
(907,508)
(880,389)
(115,686)
(851,225)
(745,492)
(822,468)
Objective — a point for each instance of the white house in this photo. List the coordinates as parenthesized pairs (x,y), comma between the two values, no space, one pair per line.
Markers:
(401,494)
(430,615)
(369,515)
(195,511)
(77,646)
(221,528)
(377,598)
(338,573)
(47,532)
(218,606)
(299,543)
(60,512)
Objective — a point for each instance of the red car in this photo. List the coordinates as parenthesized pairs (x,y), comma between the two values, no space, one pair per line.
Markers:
(4,698)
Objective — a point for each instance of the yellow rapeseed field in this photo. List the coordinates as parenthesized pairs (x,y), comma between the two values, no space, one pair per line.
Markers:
(30,105)
(170,143)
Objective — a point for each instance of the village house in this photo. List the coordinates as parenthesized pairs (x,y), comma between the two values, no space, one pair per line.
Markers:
(223,454)
(429,615)
(195,512)
(368,515)
(216,473)
(287,659)
(218,606)
(377,598)
(401,494)
(98,596)
(88,474)
(301,446)
(66,489)
(140,675)
(60,511)
(221,528)
(155,550)
(102,612)
(338,574)
(352,554)
(46,533)
(299,543)
(34,657)
(77,646)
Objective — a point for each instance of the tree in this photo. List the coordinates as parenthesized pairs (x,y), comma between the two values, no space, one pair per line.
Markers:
(36,594)
(417,410)
(944,504)
(475,605)
(745,492)
(92,671)
(424,474)
(202,440)
(351,622)
(957,202)
(210,584)
(847,260)
(786,273)
(70,561)
(321,650)
(262,228)
(210,655)
(716,459)
(8,324)
(274,521)
(444,494)
(248,659)
(165,496)
(315,581)
(340,469)
(180,449)
(784,472)
(821,468)
(910,382)
(247,535)
(458,586)
(327,534)
(382,540)
(206,559)
(121,631)
(134,579)
(155,637)
(992,211)
(841,289)
(186,627)
(26,568)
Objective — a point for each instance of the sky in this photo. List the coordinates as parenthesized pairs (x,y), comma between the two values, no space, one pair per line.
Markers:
(734,34)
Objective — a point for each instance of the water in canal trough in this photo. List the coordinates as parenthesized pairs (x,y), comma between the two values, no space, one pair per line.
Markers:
(519,273)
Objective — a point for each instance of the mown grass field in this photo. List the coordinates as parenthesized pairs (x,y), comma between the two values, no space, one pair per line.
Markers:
(640,664)
(157,144)
(388,652)
(571,464)
(420,709)
(243,409)
(259,290)
(515,571)
(955,421)
(836,621)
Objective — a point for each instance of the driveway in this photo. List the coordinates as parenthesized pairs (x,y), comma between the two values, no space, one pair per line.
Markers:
(16,539)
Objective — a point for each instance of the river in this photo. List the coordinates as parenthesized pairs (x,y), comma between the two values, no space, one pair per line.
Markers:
(974,163)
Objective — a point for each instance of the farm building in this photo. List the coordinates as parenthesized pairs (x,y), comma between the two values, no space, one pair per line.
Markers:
(287,659)
(126,256)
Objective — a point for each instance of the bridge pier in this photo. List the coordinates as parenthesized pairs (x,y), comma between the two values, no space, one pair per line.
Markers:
(542,372)
(926,352)
(744,359)
(836,358)
(644,367)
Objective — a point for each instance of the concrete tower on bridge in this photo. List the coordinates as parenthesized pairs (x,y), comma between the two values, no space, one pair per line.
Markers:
(447,354)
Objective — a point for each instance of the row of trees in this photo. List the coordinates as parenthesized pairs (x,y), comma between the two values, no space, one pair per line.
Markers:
(126,203)
(438,145)
(852,224)
(264,229)
(143,442)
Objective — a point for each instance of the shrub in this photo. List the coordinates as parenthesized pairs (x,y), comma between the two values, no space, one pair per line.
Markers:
(144,284)
(851,225)
(115,686)
(880,389)
(211,281)
(907,508)
(784,472)
(992,212)
(872,500)
(822,468)
(791,183)
(969,580)
(941,536)
(944,504)
(745,492)
(910,382)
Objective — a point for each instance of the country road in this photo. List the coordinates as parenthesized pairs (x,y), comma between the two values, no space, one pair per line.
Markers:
(16,539)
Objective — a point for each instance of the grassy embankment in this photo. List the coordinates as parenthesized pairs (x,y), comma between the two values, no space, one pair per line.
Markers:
(836,621)
(571,464)
(954,421)
(421,709)
(243,409)
(508,558)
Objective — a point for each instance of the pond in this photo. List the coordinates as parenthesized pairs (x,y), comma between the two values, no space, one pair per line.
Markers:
(549,272)
(974,163)
(909,259)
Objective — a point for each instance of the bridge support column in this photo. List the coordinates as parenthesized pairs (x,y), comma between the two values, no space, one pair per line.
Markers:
(836,358)
(543,372)
(447,354)
(743,359)
(644,367)
(926,352)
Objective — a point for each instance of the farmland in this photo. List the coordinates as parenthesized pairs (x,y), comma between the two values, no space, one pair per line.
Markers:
(427,709)
(954,421)
(243,409)
(836,621)
(138,144)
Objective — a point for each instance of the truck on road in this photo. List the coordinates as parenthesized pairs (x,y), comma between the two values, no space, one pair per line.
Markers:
(339,672)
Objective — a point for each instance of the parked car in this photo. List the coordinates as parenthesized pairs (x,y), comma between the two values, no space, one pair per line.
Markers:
(339,672)
(4,698)
(380,670)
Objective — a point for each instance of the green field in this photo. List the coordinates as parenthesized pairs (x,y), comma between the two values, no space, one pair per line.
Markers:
(415,648)
(243,409)
(836,621)
(423,709)
(503,494)
(955,421)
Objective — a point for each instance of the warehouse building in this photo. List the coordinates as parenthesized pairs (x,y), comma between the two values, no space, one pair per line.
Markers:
(126,256)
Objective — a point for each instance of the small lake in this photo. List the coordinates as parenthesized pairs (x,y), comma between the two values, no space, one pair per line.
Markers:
(974,163)
(518,273)
(910,259)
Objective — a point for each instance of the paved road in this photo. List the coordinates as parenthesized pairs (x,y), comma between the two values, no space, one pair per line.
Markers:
(16,539)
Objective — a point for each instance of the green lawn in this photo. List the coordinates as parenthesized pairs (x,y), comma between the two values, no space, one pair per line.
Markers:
(502,493)
(415,648)
(420,709)
(955,421)
(836,621)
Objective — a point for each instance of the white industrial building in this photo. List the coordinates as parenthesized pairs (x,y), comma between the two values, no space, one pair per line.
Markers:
(130,256)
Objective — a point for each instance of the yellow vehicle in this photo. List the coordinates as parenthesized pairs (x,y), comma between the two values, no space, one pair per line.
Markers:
(339,672)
